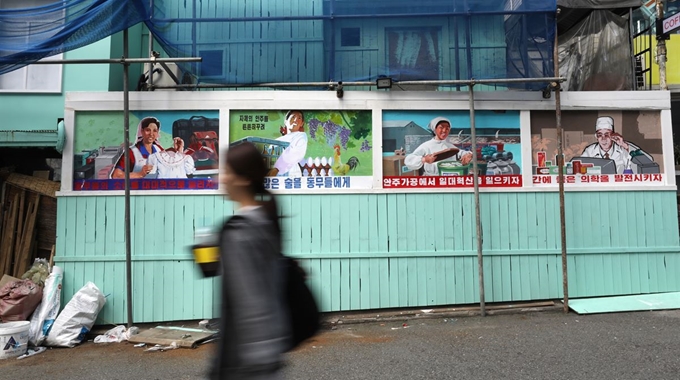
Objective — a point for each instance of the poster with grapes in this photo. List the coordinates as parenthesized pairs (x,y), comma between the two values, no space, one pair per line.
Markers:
(309,149)
(433,149)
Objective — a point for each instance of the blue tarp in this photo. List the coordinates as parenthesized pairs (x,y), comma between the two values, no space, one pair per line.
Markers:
(246,42)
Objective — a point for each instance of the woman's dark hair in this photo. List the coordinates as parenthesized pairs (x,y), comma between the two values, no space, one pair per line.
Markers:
(246,161)
(148,120)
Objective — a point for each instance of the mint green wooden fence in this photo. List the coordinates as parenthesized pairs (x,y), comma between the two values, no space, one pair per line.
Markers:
(369,251)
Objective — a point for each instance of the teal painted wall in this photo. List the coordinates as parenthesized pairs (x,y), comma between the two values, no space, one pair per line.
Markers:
(369,251)
(24,111)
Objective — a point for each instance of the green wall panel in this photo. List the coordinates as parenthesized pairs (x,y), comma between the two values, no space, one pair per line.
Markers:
(371,251)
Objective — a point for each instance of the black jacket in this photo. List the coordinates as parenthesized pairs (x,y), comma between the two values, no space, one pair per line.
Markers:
(254,323)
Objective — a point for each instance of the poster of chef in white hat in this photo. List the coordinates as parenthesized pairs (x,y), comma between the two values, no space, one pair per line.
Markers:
(611,145)
(424,156)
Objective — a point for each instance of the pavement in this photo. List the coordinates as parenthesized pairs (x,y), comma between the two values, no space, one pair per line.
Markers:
(529,341)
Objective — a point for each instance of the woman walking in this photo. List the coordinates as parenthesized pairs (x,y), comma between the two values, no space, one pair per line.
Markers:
(254,322)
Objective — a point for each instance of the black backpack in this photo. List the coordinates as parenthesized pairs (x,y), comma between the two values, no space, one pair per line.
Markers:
(305,318)
(304,312)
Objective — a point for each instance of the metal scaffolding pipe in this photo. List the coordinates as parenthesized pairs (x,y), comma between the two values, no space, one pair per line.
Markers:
(126,139)
(121,60)
(344,16)
(332,85)
(478,221)
(560,176)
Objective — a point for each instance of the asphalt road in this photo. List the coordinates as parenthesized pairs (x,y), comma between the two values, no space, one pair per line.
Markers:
(545,345)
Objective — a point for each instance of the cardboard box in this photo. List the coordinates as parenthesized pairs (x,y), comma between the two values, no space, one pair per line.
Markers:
(392,165)
(7,278)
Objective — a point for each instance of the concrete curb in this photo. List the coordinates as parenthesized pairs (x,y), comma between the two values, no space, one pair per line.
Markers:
(334,319)
(345,318)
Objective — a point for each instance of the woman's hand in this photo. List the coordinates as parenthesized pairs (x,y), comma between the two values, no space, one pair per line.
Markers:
(146,169)
(178,144)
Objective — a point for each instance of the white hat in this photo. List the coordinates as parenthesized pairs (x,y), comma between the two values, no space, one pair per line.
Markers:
(436,121)
(287,119)
(604,122)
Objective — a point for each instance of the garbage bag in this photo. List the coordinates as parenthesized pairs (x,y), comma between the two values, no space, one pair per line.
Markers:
(75,321)
(44,315)
(18,299)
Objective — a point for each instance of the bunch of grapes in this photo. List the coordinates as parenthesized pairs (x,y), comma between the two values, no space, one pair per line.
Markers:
(344,137)
(313,126)
(365,146)
(330,130)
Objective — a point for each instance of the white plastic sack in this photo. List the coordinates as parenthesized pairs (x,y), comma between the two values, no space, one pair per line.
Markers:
(77,318)
(44,315)
(116,335)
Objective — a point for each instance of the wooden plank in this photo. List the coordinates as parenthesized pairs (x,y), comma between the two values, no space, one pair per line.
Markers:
(504,220)
(344,284)
(430,284)
(442,283)
(506,278)
(495,277)
(326,228)
(335,284)
(21,240)
(326,285)
(471,279)
(603,227)
(444,213)
(20,222)
(492,225)
(378,229)
(106,210)
(303,226)
(51,261)
(314,279)
(118,287)
(522,221)
(545,206)
(400,219)
(468,221)
(374,282)
(643,302)
(8,254)
(532,215)
(365,284)
(412,278)
(4,233)
(24,257)
(186,338)
(333,234)
(316,227)
(515,278)
(9,234)
(543,277)
(450,273)
(46,224)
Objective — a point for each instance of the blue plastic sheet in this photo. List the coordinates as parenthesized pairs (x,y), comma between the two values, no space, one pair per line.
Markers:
(301,41)
(30,34)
